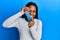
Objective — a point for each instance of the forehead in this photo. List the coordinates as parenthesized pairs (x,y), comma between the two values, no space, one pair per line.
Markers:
(32,7)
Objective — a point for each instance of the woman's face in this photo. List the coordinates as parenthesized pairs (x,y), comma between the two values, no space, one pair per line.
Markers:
(32,11)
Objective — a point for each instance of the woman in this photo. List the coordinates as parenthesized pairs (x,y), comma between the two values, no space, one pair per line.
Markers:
(28,30)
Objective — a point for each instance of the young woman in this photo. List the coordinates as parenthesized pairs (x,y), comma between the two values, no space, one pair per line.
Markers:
(28,30)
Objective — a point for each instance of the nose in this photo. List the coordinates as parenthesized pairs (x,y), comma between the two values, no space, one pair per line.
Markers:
(31,13)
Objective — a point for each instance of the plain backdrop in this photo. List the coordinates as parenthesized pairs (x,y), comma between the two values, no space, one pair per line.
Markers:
(48,12)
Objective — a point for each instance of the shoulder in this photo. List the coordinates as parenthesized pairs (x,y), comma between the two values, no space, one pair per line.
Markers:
(21,20)
(38,21)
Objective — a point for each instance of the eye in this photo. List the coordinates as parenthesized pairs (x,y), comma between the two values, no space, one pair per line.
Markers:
(34,11)
(30,11)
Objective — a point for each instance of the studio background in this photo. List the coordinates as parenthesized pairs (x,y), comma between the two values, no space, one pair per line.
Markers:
(48,12)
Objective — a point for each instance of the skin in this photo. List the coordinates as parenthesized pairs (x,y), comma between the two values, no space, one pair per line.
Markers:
(32,10)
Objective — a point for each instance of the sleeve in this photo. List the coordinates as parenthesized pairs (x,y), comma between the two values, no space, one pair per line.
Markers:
(12,21)
(36,33)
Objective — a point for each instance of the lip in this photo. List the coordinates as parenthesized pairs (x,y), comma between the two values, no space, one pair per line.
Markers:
(32,17)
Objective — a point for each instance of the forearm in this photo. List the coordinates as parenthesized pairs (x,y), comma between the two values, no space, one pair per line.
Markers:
(12,19)
(36,30)
(36,35)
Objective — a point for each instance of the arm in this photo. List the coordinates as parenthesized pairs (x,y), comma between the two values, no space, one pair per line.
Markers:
(12,20)
(36,33)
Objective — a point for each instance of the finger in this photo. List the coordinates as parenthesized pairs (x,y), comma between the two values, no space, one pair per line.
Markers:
(26,8)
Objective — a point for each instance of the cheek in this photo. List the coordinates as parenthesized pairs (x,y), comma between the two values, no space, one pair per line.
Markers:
(34,14)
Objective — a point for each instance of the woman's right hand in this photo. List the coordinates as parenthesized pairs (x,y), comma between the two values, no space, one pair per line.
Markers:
(25,9)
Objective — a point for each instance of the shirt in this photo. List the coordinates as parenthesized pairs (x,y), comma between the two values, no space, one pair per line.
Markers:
(26,33)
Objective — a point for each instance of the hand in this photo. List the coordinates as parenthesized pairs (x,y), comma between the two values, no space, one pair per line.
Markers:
(25,9)
(31,23)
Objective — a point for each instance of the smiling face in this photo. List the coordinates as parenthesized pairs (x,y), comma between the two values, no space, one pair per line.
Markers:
(32,11)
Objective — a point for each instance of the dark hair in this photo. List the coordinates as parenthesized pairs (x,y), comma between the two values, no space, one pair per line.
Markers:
(29,4)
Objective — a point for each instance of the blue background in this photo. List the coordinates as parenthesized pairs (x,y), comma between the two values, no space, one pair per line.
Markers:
(49,13)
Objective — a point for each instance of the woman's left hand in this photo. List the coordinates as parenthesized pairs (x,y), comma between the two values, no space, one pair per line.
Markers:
(31,23)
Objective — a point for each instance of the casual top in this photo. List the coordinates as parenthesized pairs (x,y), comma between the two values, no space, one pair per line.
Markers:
(26,33)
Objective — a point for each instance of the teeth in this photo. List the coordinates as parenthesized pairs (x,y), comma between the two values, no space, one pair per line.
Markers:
(32,17)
